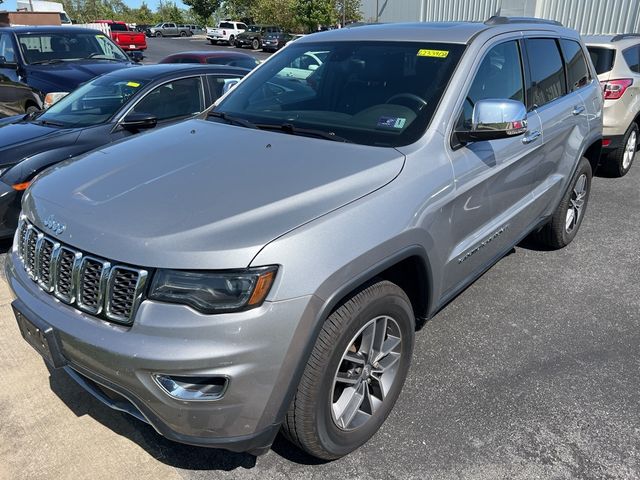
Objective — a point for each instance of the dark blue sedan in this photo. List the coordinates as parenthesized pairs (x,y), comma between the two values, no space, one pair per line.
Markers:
(36,61)
(107,109)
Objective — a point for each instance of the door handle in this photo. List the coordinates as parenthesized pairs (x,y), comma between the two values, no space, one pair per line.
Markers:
(531,137)
(578,109)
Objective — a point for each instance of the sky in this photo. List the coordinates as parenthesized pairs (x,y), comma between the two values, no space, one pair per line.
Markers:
(153,4)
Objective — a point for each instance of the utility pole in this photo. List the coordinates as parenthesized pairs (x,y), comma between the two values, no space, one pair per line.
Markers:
(344,13)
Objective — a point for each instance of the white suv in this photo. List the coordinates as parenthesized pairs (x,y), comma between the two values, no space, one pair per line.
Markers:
(225,32)
(617,62)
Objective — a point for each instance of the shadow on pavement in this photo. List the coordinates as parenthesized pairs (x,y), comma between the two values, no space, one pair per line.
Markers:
(170,453)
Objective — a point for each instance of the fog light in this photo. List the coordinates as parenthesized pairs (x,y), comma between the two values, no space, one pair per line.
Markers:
(192,388)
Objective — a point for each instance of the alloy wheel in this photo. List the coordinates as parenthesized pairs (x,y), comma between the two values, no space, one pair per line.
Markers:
(630,150)
(576,203)
(366,373)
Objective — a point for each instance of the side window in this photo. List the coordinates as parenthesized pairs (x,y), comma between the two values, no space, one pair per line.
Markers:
(577,70)
(6,48)
(632,57)
(547,71)
(179,98)
(241,26)
(499,76)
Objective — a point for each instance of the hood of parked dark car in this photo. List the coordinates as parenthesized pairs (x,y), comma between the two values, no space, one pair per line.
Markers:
(20,139)
(201,194)
(66,76)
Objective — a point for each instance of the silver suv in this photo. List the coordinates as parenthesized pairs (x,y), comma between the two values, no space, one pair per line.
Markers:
(617,63)
(276,281)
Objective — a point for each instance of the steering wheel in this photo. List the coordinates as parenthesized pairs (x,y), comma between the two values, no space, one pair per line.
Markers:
(421,101)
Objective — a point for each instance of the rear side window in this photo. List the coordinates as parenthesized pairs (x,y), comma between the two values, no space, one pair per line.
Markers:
(577,70)
(118,27)
(226,25)
(499,76)
(547,71)
(602,58)
(632,57)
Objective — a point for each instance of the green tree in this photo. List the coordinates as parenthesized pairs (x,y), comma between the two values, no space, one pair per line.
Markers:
(237,10)
(275,12)
(315,13)
(203,9)
(144,14)
(349,11)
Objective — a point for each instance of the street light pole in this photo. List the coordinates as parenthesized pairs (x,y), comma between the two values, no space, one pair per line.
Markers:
(344,12)
(377,10)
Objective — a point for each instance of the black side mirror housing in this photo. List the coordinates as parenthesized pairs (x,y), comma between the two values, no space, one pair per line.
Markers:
(139,121)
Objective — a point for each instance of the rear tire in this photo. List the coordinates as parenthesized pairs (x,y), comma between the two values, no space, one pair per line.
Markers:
(566,220)
(211,42)
(255,44)
(350,384)
(618,162)
(232,40)
(183,33)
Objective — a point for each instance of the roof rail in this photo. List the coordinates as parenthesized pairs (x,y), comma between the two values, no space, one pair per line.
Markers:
(622,36)
(498,20)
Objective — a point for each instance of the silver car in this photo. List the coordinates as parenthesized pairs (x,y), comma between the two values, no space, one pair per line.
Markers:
(265,266)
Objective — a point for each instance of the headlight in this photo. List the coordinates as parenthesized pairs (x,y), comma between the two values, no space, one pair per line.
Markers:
(53,97)
(213,292)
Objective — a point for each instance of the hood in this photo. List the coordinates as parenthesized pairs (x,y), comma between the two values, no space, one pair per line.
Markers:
(202,195)
(66,76)
(22,139)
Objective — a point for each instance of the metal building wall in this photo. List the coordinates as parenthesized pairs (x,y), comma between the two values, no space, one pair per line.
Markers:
(586,16)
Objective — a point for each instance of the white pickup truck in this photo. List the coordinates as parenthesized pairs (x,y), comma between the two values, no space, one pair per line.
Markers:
(225,32)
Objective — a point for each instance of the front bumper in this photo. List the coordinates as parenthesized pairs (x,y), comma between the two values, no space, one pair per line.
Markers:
(254,349)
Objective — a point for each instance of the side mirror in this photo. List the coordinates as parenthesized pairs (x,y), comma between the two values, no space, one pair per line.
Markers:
(135,55)
(139,121)
(228,85)
(493,119)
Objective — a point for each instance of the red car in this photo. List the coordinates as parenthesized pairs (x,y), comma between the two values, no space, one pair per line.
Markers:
(232,59)
(128,40)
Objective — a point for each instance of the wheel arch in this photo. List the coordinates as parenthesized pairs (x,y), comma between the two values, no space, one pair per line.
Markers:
(593,153)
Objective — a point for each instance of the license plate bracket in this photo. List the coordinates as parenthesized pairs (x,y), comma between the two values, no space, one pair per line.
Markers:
(41,337)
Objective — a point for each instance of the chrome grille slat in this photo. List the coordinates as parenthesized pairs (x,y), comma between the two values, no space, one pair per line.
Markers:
(89,283)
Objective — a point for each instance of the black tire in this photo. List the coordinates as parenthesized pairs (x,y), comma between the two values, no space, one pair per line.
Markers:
(310,423)
(615,164)
(558,233)
(236,44)
(183,33)
(211,42)
(232,39)
(158,34)
(255,44)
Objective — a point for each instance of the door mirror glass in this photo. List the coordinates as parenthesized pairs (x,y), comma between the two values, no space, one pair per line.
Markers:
(494,119)
(139,121)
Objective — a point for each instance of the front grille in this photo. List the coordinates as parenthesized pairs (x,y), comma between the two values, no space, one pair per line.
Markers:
(91,284)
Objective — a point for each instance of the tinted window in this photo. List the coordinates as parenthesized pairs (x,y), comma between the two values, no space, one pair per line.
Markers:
(241,26)
(547,71)
(186,60)
(249,63)
(577,70)
(369,92)
(6,48)
(499,76)
(602,58)
(118,27)
(225,25)
(179,98)
(632,57)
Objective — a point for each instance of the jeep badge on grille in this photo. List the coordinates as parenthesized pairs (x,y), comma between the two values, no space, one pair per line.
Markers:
(53,225)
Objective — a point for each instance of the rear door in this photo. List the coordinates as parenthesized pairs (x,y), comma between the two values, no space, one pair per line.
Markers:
(562,112)
(494,179)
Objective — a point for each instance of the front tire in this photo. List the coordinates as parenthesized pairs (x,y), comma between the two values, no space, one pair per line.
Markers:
(255,44)
(620,160)
(567,218)
(355,372)
(183,34)
(158,34)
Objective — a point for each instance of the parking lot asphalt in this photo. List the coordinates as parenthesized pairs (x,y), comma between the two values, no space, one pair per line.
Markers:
(532,372)
(158,48)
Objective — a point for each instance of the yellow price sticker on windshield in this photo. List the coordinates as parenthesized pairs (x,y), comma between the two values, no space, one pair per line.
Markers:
(133,84)
(433,53)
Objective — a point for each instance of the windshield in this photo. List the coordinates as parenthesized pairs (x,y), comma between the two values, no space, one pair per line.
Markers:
(602,58)
(372,93)
(65,46)
(93,103)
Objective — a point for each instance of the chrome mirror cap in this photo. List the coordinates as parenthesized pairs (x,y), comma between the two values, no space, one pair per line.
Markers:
(494,119)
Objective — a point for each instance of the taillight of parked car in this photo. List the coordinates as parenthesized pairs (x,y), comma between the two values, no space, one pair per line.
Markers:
(614,89)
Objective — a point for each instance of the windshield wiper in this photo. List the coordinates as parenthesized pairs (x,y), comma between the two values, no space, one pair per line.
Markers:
(51,61)
(94,56)
(50,123)
(232,120)
(308,132)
